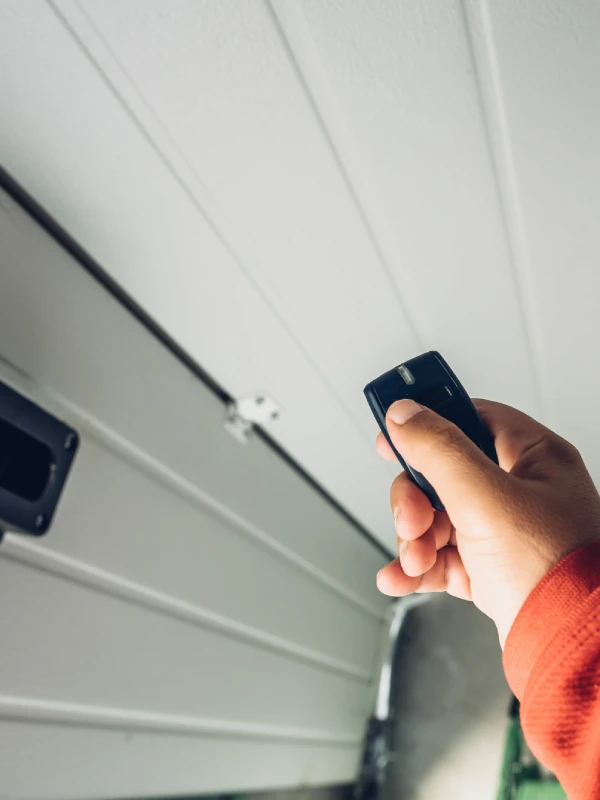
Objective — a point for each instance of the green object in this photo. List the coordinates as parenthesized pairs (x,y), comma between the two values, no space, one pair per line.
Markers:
(540,790)
(522,777)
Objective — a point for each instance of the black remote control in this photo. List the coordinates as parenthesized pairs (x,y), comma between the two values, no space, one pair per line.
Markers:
(428,380)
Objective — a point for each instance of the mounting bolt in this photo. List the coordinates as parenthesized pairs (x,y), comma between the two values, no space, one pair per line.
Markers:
(40,521)
(259,400)
(70,441)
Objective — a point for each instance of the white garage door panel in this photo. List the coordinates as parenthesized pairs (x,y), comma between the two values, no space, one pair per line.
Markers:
(313,255)
(331,186)
(150,764)
(80,153)
(128,386)
(546,63)
(78,645)
(155,539)
(403,76)
(189,584)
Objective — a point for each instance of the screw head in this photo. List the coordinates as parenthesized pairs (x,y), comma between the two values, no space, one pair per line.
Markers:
(40,521)
(259,400)
(70,441)
(275,415)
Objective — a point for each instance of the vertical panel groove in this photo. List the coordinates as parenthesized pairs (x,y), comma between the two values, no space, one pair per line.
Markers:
(311,75)
(480,43)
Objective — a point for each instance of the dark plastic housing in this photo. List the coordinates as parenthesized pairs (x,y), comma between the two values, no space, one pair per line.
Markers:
(36,453)
(435,386)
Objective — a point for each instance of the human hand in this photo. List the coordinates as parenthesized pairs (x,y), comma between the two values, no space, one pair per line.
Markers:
(504,526)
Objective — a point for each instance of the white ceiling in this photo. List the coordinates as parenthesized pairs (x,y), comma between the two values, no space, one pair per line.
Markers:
(306,192)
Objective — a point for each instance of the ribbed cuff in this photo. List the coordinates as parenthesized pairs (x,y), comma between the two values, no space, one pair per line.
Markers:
(551,605)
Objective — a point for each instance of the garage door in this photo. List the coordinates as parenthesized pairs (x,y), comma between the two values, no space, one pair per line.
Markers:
(199,618)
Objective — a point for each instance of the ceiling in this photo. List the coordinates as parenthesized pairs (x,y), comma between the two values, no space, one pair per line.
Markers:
(307,192)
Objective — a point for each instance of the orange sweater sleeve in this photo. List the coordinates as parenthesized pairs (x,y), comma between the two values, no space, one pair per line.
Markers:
(552,664)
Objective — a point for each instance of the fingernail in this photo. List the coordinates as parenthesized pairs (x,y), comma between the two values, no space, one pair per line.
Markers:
(402,410)
(402,549)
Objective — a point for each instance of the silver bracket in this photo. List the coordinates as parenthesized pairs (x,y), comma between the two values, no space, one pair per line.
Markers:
(242,415)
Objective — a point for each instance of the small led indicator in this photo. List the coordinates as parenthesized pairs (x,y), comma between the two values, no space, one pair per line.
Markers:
(406,375)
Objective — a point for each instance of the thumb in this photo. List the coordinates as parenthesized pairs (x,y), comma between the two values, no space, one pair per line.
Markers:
(464,478)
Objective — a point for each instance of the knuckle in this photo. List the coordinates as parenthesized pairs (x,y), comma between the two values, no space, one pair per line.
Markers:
(559,449)
(573,454)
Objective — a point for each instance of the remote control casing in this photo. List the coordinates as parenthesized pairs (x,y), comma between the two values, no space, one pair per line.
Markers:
(428,380)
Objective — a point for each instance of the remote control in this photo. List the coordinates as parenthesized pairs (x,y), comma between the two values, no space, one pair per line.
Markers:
(428,380)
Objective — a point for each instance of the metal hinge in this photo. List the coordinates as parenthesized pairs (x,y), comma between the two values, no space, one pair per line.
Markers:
(242,415)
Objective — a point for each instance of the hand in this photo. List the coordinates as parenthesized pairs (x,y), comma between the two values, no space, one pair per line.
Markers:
(504,526)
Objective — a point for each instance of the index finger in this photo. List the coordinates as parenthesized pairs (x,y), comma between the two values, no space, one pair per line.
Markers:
(383,448)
